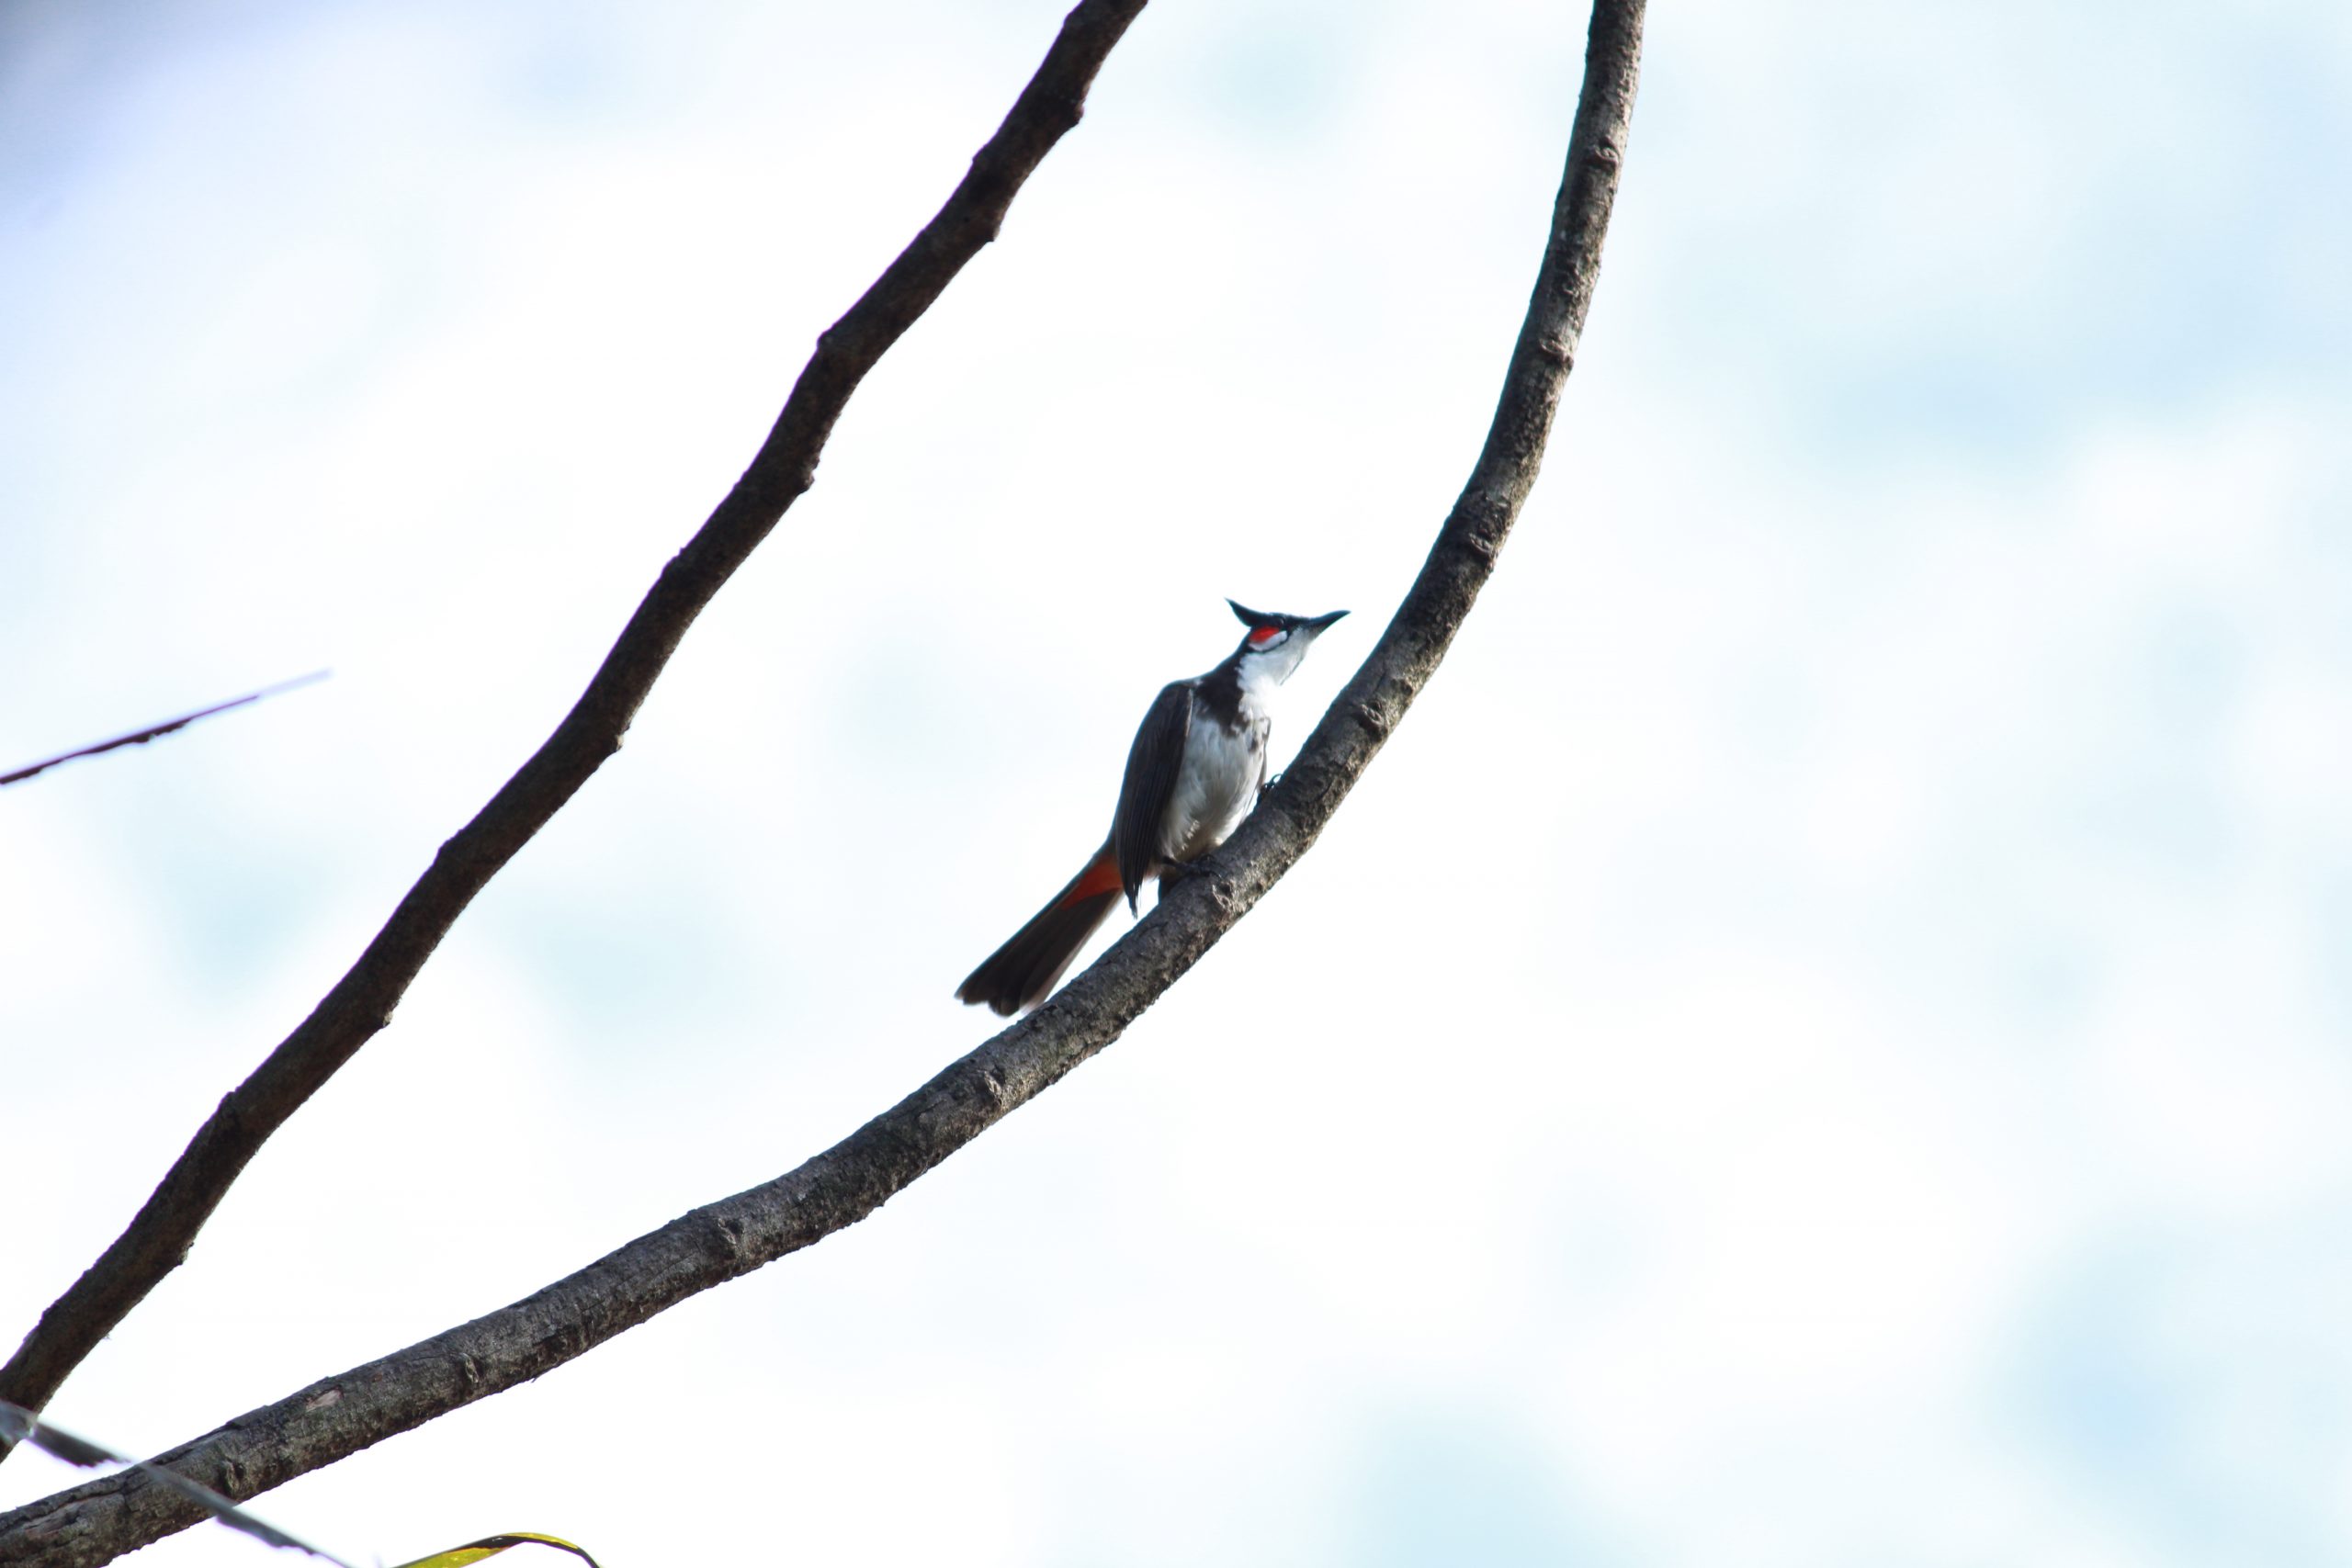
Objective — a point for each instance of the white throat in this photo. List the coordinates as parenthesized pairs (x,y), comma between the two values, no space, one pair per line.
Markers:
(1262,672)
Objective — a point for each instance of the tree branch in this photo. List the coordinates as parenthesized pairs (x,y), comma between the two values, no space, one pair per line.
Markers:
(361,1002)
(155,732)
(342,1414)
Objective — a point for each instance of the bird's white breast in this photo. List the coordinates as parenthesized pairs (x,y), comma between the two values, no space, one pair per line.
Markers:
(1217,784)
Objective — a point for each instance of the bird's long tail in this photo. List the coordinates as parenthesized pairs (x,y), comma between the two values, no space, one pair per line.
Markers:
(1019,973)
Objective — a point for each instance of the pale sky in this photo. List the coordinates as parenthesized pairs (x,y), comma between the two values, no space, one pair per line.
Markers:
(1826,1038)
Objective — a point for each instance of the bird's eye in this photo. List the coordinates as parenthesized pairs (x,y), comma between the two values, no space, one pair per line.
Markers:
(1264,636)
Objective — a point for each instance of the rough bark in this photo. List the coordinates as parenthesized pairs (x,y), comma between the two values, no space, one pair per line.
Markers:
(160,1235)
(339,1416)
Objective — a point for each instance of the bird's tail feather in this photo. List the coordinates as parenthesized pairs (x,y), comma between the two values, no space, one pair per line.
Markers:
(1026,967)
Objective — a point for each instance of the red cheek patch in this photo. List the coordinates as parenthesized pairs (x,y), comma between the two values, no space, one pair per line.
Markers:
(1263,636)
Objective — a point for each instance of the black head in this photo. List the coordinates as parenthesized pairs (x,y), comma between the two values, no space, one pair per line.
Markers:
(1261,621)
(1270,634)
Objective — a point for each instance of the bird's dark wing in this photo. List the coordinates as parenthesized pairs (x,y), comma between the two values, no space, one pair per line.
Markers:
(1153,763)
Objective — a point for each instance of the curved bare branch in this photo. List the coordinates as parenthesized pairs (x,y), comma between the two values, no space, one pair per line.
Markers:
(339,1416)
(362,1001)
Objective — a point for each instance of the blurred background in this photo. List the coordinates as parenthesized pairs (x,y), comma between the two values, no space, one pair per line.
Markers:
(1826,1039)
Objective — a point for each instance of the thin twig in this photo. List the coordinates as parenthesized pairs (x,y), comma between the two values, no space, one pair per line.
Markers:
(362,1001)
(156,731)
(21,1425)
(342,1414)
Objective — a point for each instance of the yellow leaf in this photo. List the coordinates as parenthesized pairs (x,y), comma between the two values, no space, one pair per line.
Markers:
(491,1545)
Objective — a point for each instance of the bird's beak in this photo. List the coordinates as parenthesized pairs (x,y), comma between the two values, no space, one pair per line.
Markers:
(1318,623)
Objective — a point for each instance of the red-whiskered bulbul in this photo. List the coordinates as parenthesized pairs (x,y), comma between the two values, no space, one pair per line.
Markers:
(1192,774)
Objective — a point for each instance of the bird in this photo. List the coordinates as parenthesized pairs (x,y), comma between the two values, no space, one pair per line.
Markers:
(1198,766)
